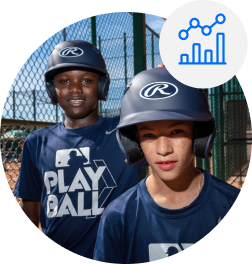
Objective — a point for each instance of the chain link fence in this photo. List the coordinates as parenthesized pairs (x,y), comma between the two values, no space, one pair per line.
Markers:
(232,145)
(28,107)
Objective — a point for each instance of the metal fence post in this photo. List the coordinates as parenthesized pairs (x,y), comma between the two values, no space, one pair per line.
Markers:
(57,113)
(205,163)
(200,163)
(34,106)
(228,89)
(214,111)
(99,43)
(139,45)
(139,40)
(125,59)
(57,106)
(64,34)
(93,41)
(93,30)
(222,163)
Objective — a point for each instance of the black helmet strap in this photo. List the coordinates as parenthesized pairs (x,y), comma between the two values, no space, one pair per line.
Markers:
(131,145)
(203,139)
(50,88)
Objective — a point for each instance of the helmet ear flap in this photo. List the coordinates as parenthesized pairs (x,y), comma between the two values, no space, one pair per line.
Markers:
(50,88)
(103,87)
(129,144)
(203,139)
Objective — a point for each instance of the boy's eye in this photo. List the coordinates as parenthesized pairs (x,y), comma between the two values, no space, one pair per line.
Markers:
(64,81)
(177,131)
(148,135)
(86,80)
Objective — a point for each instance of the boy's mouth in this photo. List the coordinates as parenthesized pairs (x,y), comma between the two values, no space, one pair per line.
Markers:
(166,165)
(76,102)
(165,162)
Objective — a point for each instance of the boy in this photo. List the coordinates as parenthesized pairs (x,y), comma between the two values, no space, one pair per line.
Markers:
(71,171)
(177,204)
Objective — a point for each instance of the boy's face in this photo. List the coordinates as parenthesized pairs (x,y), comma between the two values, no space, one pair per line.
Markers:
(167,146)
(77,92)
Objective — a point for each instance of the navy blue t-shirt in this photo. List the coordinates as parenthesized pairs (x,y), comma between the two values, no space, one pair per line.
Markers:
(134,229)
(75,173)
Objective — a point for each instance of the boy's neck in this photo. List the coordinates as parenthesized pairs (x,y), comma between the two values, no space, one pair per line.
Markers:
(178,193)
(72,123)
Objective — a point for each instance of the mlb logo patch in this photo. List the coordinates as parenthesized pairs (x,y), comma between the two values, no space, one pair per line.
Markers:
(66,157)
(163,250)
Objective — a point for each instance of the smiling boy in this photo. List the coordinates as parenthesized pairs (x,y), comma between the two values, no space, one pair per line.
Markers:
(177,204)
(71,171)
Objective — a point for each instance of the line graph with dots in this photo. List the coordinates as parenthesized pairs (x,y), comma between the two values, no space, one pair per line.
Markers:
(196,47)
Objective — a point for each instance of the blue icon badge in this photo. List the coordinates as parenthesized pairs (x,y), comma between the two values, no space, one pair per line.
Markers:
(196,47)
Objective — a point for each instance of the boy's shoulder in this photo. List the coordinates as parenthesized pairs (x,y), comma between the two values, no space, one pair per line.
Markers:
(42,132)
(224,189)
(111,121)
(223,185)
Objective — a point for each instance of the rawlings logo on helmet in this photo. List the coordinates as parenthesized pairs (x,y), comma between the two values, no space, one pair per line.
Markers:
(158,90)
(71,52)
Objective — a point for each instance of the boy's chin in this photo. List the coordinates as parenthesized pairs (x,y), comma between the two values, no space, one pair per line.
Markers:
(79,114)
(176,174)
(166,176)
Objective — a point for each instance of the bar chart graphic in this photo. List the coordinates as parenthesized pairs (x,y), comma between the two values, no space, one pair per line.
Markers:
(207,58)
(208,54)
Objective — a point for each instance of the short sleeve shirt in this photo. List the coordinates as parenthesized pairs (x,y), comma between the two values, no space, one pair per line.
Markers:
(134,229)
(75,173)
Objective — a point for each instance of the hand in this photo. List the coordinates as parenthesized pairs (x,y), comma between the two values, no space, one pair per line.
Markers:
(161,65)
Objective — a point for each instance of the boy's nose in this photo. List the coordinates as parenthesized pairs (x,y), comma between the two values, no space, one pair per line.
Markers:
(164,146)
(76,88)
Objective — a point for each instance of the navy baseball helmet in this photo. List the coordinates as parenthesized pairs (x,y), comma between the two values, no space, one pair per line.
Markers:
(155,95)
(77,54)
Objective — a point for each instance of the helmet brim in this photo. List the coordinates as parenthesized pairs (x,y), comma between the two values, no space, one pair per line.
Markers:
(157,115)
(49,75)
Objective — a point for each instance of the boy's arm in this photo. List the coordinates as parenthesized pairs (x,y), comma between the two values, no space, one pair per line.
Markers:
(29,186)
(32,210)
